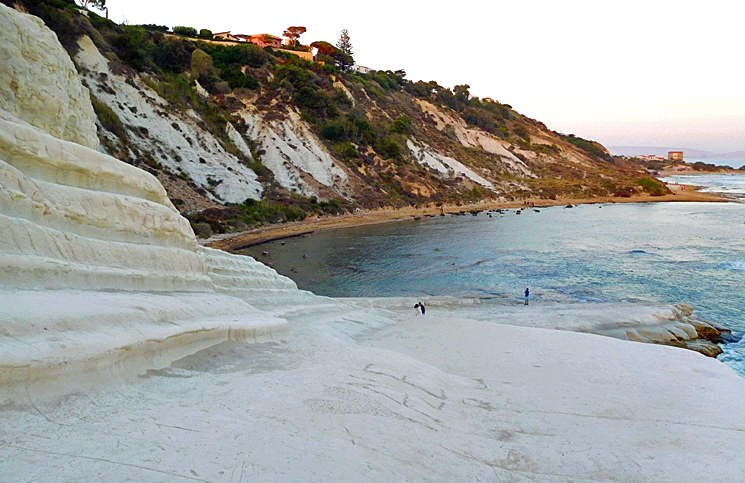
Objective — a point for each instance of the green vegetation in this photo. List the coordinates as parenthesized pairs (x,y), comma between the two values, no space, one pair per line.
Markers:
(186,31)
(368,135)
(252,213)
(590,147)
(652,186)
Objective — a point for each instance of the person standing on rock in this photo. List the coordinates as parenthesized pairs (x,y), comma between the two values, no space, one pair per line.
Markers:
(527,295)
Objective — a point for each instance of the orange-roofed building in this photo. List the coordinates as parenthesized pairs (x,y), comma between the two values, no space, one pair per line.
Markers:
(263,40)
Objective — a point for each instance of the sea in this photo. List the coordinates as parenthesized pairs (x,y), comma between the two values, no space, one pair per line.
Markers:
(691,253)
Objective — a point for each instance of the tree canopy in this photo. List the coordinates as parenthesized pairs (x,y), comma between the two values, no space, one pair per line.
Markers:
(294,33)
(325,48)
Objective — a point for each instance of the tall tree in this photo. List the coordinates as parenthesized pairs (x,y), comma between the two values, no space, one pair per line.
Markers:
(293,34)
(344,44)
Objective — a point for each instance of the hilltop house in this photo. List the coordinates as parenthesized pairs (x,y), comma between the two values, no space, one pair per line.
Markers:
(263,40)
(225,36)
(361,69)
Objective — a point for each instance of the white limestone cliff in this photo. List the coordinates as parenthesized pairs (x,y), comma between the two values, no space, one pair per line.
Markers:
(96,264)
(178,140)
(296,157)
(39,84)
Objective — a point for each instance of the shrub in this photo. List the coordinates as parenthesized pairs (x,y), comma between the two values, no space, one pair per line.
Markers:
(236,78)
(187,31)
(203,230)
(172,56)
(133,46)
(201,64)
(332,132)
(402,125)
(388,148)
(227,55)
(588,146)
(108,118)
(652,186)
(347,150)
(154,28)
(205,34)
(521,132)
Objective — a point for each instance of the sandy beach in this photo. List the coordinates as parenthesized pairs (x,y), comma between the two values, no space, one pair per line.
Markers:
(236,241)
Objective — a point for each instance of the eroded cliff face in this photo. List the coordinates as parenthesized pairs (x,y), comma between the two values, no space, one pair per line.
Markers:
(39,84)
(169,136)
(97,267)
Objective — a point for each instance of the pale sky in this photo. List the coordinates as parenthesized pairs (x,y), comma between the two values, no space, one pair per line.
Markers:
(650,72)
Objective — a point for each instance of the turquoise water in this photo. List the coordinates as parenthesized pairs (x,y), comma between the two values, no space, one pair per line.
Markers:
(663,252)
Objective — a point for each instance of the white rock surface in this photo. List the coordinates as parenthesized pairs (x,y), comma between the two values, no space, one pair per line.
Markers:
(359,395)
(471,137)
(98,271)
(39,83)
(178,140)
(294,154)
(444,164)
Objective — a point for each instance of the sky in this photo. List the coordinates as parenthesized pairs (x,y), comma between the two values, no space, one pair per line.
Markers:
(642,73)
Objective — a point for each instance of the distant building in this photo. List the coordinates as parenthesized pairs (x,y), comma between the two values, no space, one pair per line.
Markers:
(263,40)
(650,157)
(673,156)
(225,36)
(361,69)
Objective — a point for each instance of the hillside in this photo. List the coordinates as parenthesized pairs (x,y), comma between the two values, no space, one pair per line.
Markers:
(242,136)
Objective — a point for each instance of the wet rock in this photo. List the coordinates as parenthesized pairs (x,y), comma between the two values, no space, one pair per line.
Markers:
(705,347)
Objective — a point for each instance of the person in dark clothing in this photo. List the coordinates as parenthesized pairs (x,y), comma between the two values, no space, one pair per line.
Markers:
(419,307)
(527,295)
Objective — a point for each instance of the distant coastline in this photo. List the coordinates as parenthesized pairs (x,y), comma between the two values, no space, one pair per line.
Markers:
(236,241)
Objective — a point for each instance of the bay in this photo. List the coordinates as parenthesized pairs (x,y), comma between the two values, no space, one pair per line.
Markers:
(632,252)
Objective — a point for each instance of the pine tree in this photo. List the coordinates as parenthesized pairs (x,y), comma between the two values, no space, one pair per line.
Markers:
(344,44)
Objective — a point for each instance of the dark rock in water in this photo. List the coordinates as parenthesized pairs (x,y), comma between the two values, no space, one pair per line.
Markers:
(730,338)
(709,330)
(705,347)
(569,206)
(266,254)
(417,218)
(537,211)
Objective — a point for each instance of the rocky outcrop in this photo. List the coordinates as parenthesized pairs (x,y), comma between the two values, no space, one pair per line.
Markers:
(39,83)
(297,158)
(99,273)
(679,329)
(173,138)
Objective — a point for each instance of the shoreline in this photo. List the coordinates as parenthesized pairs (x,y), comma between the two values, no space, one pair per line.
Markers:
(236,241)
